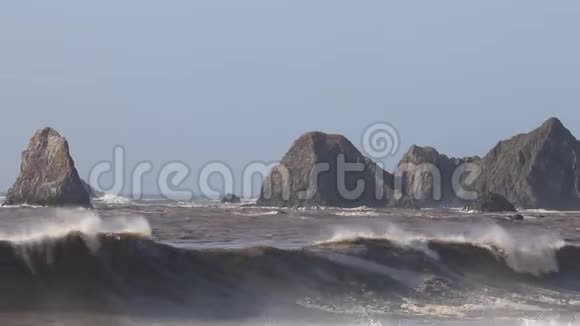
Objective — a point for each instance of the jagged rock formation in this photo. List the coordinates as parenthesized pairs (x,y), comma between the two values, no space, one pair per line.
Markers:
(231,199)
(48,176)
(491,203)
(425,177)
(310,175)
(540,169)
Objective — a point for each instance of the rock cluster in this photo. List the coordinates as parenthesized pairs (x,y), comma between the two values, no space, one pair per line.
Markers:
(540,169)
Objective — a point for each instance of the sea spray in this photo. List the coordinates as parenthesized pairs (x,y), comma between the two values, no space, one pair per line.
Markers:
(38,233)
(113,199)
(524,250)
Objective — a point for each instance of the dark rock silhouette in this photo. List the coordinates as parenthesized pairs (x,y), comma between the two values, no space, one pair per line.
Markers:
(309,175)
(231,199)
(425,176)
(540,169)
(48,176)
(516,217)
(93,193)
(491,203)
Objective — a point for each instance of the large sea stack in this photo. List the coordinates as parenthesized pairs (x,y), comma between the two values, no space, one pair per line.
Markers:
(540,169)
(425,177)
(309,175)
(48,176)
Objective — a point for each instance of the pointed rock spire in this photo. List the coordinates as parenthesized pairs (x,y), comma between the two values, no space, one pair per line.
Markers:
(48,176)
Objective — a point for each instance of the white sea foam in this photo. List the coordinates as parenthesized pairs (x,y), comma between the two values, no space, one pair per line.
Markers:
(463,310)
(40,233)
(249,201)
(357,213)
(22,206)
(541,211)
(59,222)
(113,199)
(524,250)
(253,213)
(548,322)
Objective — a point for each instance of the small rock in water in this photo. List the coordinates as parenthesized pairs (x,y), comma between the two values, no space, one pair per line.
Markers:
(516,217)
(231,199)
(491,203)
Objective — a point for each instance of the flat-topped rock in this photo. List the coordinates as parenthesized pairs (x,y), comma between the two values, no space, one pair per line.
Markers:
(310,175)
(48,176)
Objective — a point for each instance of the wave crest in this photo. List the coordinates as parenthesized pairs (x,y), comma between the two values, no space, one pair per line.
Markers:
(57,223)
(524,250)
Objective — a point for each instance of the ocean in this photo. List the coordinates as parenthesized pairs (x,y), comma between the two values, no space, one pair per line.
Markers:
(177,263)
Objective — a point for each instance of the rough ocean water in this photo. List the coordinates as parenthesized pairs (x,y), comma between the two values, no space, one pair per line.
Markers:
(170,263)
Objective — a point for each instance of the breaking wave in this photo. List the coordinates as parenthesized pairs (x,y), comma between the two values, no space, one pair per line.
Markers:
(58,223)
(114,263)
(522,252)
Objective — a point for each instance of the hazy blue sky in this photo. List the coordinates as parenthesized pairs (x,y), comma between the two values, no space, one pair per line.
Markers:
(239,80)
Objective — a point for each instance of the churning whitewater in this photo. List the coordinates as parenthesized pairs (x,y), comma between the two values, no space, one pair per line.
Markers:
(237,264)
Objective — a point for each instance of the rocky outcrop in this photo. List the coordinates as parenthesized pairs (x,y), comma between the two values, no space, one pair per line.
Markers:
(425,177)
(491,203)
(540,169)
(48,176)
(312,173)
(231,199)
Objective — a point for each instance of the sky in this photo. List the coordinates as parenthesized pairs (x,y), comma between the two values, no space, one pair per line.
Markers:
(237,81)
